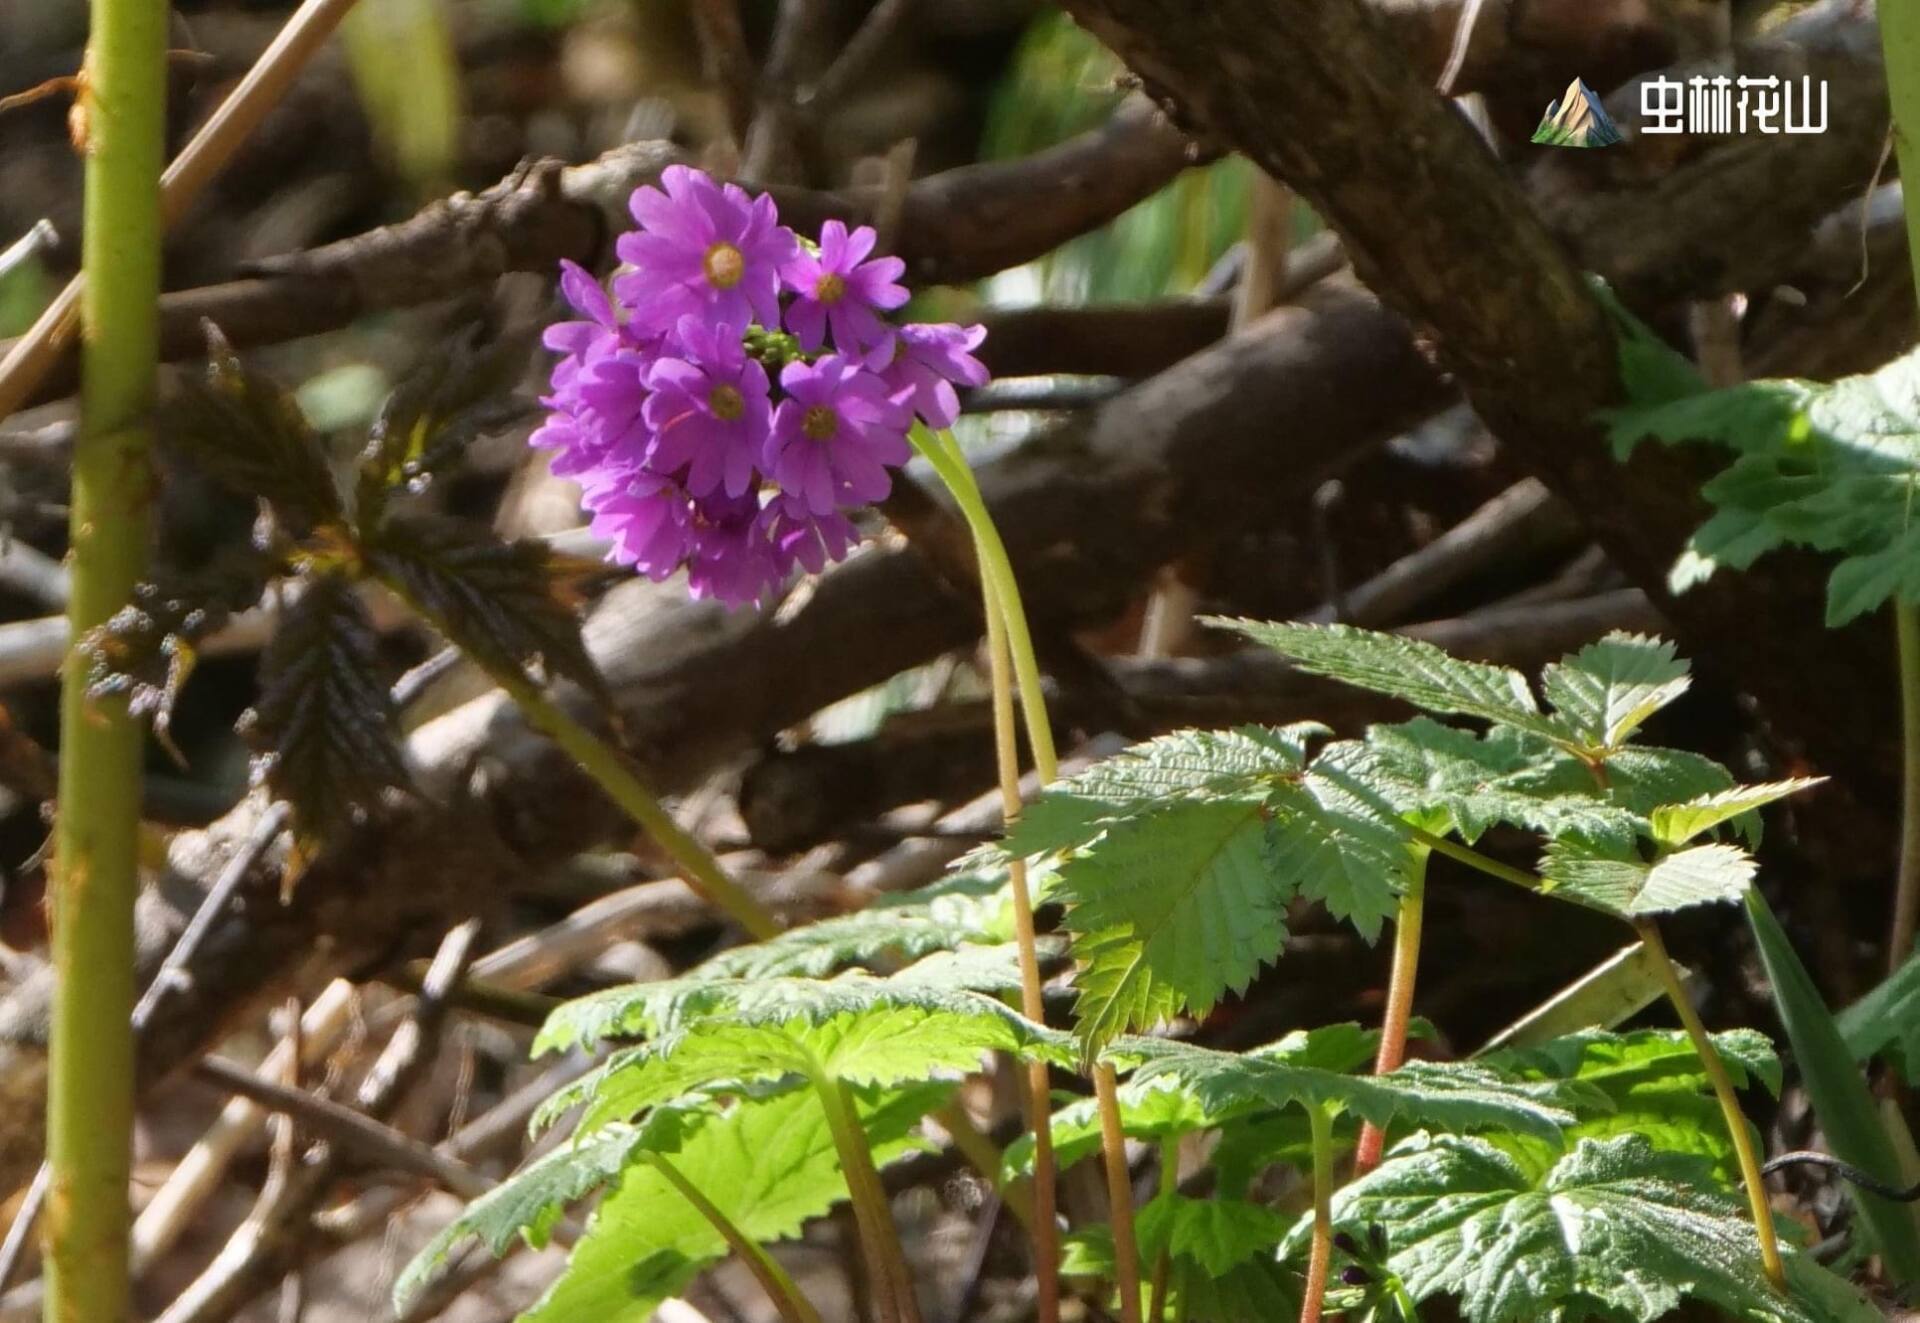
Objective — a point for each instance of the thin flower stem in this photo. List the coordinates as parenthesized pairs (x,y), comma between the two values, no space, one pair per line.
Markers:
(1399,1012)
(1320,1257)
(1750,1174)
(1042,1225)
(97,832)
(793,1307)
(1906,896)
(1472,858)
(886,1262)
(1113,1155)
(609,769)
(1003,598)
(997,569)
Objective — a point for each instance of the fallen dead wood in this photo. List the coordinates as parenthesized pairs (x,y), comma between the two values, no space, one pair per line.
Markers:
(1092,509)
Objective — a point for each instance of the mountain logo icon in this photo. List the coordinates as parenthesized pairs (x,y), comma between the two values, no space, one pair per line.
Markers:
(1577,119)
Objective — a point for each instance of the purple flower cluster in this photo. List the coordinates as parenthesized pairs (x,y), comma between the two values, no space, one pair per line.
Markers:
(741,390)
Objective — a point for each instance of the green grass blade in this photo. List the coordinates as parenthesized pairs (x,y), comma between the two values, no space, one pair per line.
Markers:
(1845,1108)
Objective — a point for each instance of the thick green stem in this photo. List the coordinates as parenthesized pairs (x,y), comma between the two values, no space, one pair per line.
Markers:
(1399,1012)
(892,1283)
(1320,1256)
(1042,1225)
(612,773)
(1906,895)
(1723,1090)
(96,837)
(793,1307)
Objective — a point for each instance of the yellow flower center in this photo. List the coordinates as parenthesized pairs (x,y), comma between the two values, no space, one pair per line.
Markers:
(724,265)
(820,423)
(727,403)
(830,288)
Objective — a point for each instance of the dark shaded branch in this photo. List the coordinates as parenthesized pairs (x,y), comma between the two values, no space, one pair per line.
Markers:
(955,226)
(1318,94)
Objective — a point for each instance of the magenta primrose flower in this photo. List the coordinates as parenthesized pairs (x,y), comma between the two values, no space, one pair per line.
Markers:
(740,394)
(709,410)
(702,248)
(836,435)
(837,289)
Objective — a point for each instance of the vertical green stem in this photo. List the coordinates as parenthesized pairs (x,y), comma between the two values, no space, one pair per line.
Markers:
(1320,1257)
(793,1307)
(1399,1012)
(1042,1226)
(1163,1261)
(886,1263)
(1736,1119)
(96,837)
(1906,895)
(1003,592)
(611,771)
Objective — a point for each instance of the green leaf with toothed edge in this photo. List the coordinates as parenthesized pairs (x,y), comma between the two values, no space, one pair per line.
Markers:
(1405,668)
(1612,1229)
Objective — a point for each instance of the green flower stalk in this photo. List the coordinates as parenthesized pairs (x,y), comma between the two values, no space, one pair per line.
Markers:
(96,835)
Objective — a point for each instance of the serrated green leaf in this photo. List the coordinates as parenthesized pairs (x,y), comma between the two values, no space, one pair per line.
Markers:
(325,728)
(1830,466)
(1185,764)
(962,910)
(1215,1235)
(1405,668)
(1446,779)
(529,1203)
(1159,1109)
(506,604)
(1676,824)
(1173,911)
(1341,843)
(242,429)
(1886,1022)
(770,1167)
(1633,888)
(1655,1084)
(1454,1095)
(1613,1227)
(1605,691)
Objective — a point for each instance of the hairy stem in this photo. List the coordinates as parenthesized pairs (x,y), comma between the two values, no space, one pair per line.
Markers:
(1906,895)
(1113,1157)
(1399,1012)
(1737,1130)
(886,1262)
(612,773)
(96,836)
(1320,1257)
(1042,1226)
(793,1307)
